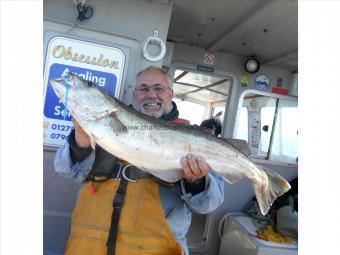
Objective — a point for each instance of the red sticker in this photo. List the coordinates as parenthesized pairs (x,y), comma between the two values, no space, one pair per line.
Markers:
(280,91)
(208,59)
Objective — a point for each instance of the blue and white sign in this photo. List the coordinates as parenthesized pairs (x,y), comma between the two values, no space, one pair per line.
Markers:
(53,108)
(101,64)
(262,82)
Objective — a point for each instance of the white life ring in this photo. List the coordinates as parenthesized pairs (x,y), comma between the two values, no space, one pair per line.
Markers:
(154,40)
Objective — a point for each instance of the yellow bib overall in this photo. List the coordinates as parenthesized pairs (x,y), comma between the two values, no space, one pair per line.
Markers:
(142,227)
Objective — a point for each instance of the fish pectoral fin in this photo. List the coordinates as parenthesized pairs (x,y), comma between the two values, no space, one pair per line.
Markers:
(90,114)
(117,126)
(167,176)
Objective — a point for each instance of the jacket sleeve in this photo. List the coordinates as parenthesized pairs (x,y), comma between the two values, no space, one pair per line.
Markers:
(207,200)
(65,166)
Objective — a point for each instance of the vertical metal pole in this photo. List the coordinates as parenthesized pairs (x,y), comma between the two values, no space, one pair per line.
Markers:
(273,129)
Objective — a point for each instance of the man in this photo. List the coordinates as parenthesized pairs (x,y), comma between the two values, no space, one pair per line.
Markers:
(149,215)
(213,124)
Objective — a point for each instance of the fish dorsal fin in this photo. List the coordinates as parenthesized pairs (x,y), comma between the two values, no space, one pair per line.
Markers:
(240,144)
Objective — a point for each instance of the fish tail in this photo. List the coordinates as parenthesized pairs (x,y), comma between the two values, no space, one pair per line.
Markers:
(269,190)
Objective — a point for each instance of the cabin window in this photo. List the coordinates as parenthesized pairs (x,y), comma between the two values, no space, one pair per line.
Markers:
(242,124)
(285,137)
(270,126)
(218,109)
(186,110)
(200,95)
(267,112)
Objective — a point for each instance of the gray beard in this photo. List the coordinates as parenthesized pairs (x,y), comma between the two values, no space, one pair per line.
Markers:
(141,109)
(157,114)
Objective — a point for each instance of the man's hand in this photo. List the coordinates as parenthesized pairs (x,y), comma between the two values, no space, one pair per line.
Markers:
(82,139)
(194,168)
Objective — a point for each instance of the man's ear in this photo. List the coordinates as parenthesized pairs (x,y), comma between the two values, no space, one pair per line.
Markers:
(171,93)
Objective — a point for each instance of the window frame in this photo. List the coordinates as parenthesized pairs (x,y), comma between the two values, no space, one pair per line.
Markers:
(277,97)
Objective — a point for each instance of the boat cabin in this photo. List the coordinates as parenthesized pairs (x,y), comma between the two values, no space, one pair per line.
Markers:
(236,58)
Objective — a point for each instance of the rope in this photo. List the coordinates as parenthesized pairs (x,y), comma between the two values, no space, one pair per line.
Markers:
(66,96)
(84,12)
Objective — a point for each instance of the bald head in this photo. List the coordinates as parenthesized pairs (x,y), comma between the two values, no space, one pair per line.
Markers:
(156,69)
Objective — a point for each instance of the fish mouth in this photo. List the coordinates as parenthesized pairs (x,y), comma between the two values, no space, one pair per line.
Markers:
(59,87)
(67,80)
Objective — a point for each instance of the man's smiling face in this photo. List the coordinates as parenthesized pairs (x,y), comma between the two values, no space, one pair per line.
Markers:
(152,96)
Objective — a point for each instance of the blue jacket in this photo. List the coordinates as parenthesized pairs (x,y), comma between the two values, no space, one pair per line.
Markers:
(177,201)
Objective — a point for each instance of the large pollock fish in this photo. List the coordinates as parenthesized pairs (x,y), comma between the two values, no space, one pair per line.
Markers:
(156,146)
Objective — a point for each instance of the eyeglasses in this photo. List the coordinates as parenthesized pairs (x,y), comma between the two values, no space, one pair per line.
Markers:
(157,88)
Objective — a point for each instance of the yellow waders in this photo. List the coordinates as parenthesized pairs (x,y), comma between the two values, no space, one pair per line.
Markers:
(142,227)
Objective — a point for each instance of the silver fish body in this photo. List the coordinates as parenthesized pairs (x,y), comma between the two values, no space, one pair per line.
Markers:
(156,146)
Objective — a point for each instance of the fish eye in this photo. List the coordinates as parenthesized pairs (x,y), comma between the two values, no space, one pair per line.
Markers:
(69,75)
(90,83)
